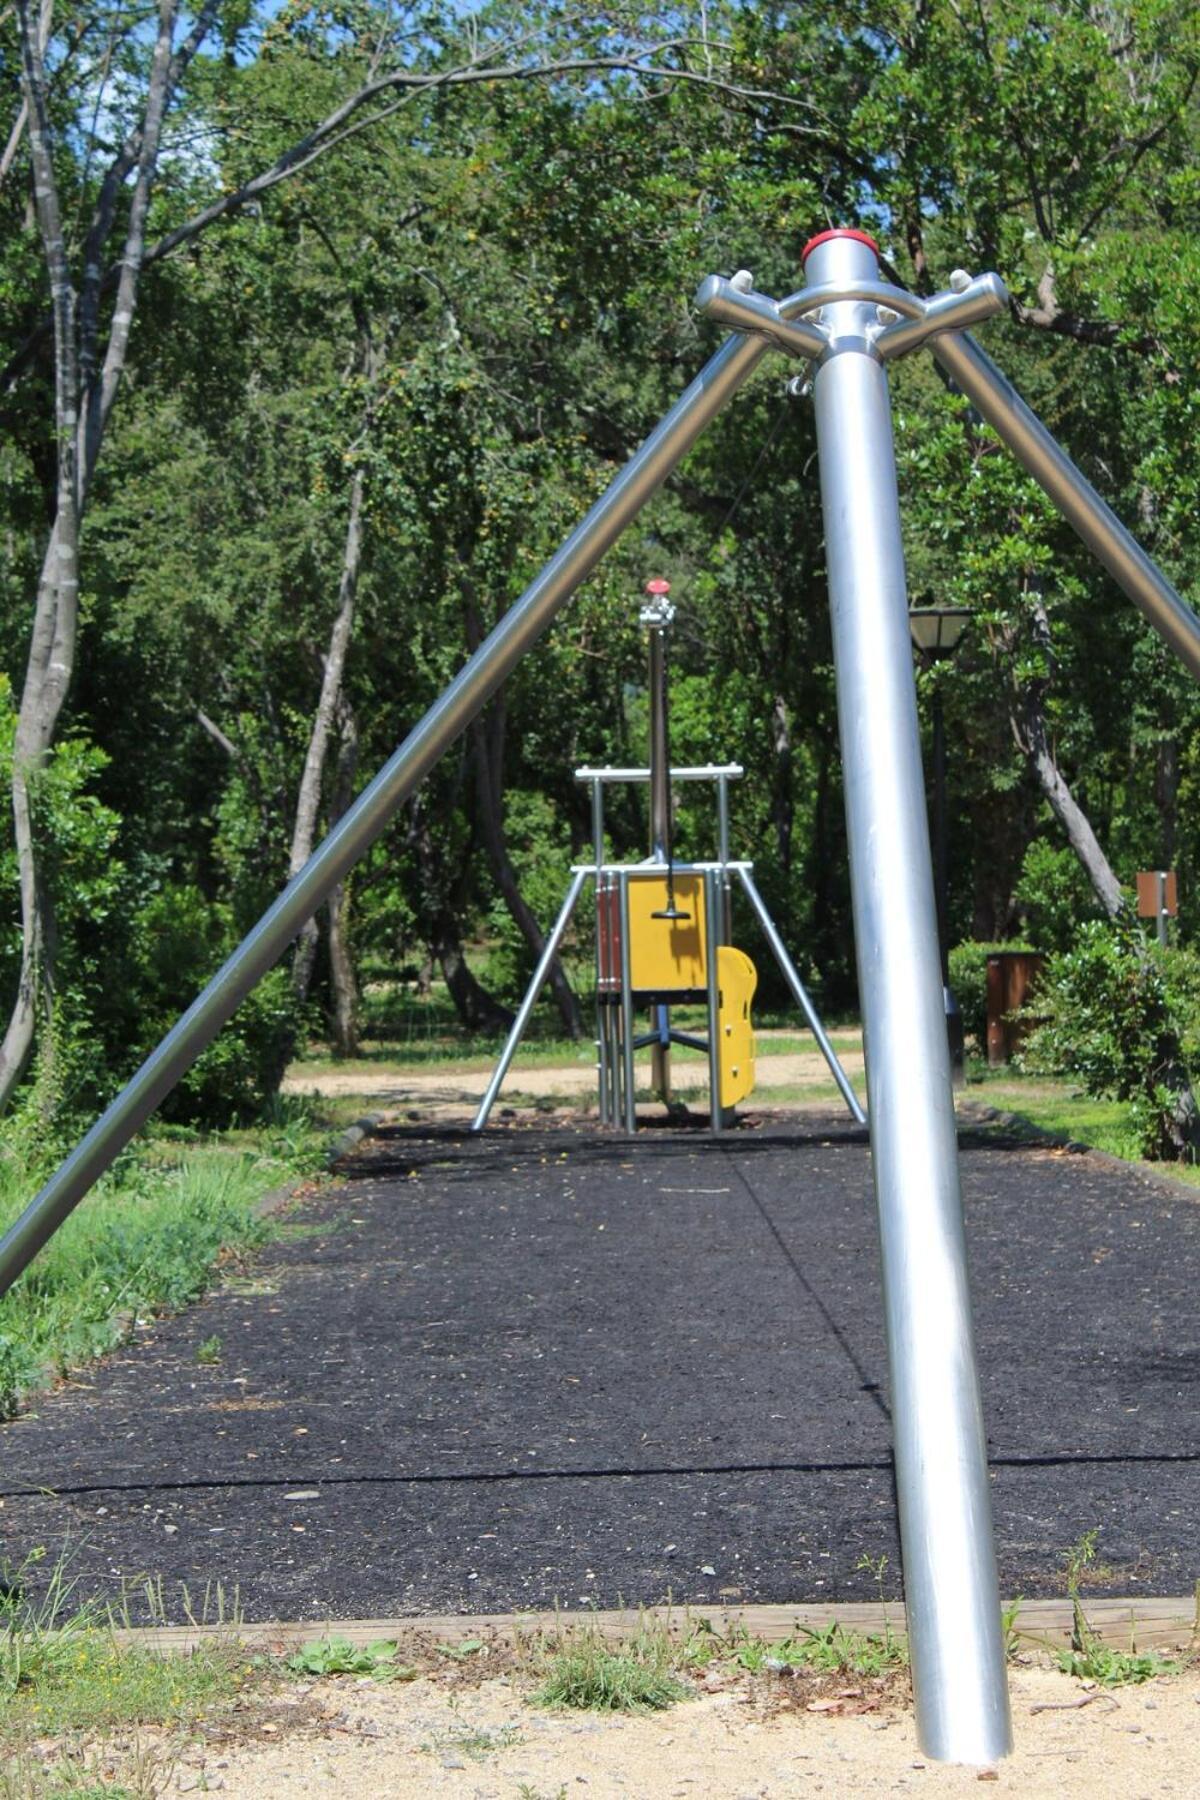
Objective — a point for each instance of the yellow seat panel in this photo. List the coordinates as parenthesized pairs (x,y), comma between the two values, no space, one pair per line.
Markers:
(666,955)
(737,978)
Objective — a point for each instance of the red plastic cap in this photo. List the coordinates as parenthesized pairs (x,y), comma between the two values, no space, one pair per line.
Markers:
(824,237)
(658,586)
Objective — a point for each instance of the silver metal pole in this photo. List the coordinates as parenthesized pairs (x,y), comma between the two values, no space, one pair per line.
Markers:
(358,828)
(517,1028)
(800,994)
(723,858)
(660,771)
(951,1591)
(993,395)
(598,857)
(627,1070)
(712,903)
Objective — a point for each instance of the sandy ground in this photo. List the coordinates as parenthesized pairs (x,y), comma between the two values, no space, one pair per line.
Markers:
(807,1069)
(486,1742)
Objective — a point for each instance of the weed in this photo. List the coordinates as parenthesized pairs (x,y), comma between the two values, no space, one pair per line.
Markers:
(209,1352)
(585,1672)
(526,1791)
(470,1740)
(337,1656)
(460,1652)
(1088,1657)
(1009,1627)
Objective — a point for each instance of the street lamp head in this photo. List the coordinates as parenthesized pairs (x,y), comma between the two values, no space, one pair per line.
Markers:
(935,630)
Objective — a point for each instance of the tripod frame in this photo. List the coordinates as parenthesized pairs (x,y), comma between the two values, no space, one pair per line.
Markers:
(848,324)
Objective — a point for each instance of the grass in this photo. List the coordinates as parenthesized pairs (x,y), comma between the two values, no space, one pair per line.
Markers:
(175,1210)
(1087,1657)
(586,1672)
(1058,1107)
(67,1681)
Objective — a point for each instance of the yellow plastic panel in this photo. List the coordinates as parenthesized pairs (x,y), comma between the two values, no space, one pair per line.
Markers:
(738,979)
(666,954)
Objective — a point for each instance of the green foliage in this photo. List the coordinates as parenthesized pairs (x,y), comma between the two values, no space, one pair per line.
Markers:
(1122,1017)
(1054,895)
(180,939)
(146,1241)
(1088,1658)
(337,1656)
(588,1674)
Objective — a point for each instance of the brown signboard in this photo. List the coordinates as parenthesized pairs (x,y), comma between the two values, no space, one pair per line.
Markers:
(1156,893)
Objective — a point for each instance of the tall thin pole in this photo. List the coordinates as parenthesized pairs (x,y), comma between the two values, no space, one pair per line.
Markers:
(951,1591)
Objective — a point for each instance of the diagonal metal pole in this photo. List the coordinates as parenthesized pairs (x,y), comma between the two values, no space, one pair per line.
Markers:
(950,1585)
(994,396)
(538,981)
(358,828)
(791,975)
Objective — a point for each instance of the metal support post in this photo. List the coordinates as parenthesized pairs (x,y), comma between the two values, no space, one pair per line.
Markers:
(378,804)
(712,902)
(993,395)
(627,1071)
(941,888)
(538,980)
(951,1591)
(723,858)
(791,975)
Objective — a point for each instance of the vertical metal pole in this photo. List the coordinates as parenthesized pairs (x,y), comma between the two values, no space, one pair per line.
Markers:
(941,888)
(656,616)
(951,1591)
(598,860)
(712,904)
(517,1029)
(1162,907)
(627,1072)
(723,858)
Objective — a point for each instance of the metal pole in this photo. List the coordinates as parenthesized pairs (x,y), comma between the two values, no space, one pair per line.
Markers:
(951,1592)
(712,902)
(941,888)
(358,828)
(1161,878)
(627,1070)
(598,857)
(517,1029)
(993,395)
(656,616)
(800,995)
(723,858)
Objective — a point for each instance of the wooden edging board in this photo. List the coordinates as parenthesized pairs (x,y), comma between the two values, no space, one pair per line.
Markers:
(1143,1622)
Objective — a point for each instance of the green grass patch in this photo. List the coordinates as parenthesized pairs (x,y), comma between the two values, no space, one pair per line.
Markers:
(150,1238)
(585,1672)
(1060,1108)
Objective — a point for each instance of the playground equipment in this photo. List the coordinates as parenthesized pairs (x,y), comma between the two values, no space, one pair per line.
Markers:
(848,324)
(663,933)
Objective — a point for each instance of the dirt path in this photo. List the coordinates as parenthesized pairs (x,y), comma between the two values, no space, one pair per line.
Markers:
(805,1069)
(744,1739)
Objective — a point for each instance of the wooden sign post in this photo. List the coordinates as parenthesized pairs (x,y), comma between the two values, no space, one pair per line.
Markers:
(1156,898)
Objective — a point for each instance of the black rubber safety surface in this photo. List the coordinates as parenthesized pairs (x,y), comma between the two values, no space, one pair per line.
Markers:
(556,1365)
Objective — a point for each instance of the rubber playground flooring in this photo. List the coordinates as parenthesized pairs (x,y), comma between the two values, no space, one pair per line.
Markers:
(557,1366)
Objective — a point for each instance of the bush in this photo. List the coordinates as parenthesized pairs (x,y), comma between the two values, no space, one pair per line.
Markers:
(181,938)
(968,980)
(1120,1016)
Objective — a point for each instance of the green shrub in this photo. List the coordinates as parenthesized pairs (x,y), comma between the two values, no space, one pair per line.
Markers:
(1120,1015)
(968,979)
(1054,894)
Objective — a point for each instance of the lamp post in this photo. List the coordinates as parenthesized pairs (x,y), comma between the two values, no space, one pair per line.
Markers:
(935,632)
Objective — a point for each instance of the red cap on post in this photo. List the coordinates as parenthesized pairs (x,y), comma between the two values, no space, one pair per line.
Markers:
(823,237)
(658,586)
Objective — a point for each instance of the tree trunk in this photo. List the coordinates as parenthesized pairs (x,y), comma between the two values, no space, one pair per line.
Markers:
(781,799)
(308,799)
(475,1007)
(344,1009)
(487,740)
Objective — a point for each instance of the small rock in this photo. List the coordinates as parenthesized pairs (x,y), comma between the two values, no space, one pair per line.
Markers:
(452,1760)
